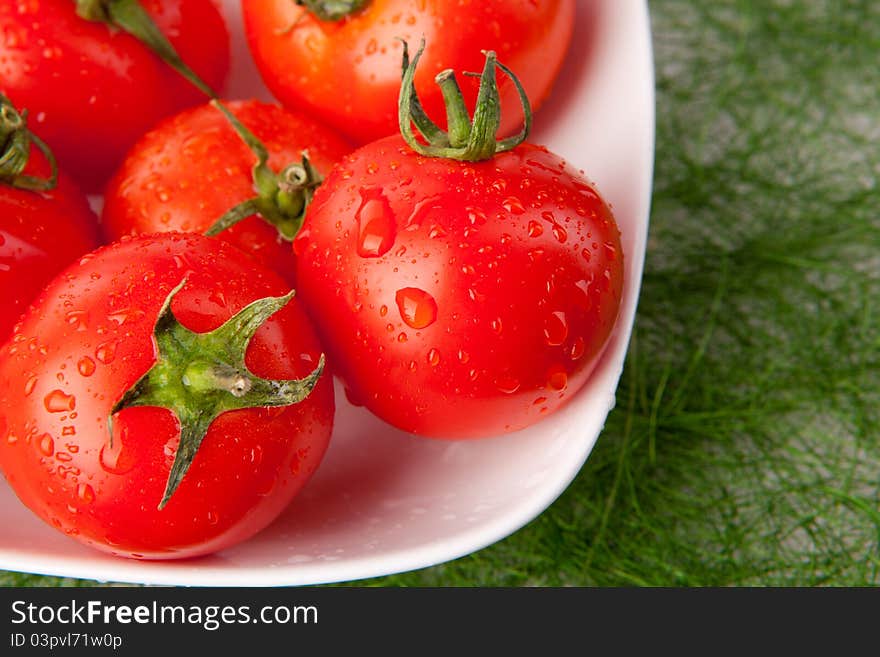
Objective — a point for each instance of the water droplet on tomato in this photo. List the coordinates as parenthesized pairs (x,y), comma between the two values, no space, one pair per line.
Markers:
(383,310)
(507,383)
(497,326)
(86,366)
(85,493)
(610,251)
(106,352)
(535,229)
(559,233)
(578,348)
(213,519)
(115,457)
(58,401)
(433,358)
(29,384)
(556,328)
(78,319)
(585,299)
(463,356)
(417,308)
(46,444)
(68,430)
(557,378)
(376,226)
(513,205)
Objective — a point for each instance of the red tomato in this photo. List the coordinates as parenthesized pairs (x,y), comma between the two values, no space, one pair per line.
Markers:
(192,168)
(460,299)
(41,232)
(348,71)
(89,338)
(92,90)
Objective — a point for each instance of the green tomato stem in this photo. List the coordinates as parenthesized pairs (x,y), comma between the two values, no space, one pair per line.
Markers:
(15,151)
(200,376)
(282,198)
(332,10)
(468,143)
(131,17)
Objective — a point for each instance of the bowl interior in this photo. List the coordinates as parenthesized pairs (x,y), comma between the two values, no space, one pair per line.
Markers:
(383,501)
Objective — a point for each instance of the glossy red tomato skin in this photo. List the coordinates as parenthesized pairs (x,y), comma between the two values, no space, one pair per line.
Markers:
(349,72)
(460,300)
(40,234)
(88,339)
(192,168)
(92,90)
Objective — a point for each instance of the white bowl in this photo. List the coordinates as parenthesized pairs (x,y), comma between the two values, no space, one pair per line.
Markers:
(383,501)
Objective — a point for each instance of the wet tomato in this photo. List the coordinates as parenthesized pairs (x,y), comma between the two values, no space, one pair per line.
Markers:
(91,88)
(460,299)
(170,335)
(345,67)
(42,229)
(191,169)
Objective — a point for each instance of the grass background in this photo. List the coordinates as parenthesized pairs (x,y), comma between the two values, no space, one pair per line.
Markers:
(743,449)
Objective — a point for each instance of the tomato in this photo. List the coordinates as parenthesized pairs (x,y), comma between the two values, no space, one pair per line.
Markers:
(192,168)
(92,89)
(348,71)
(87,348)
(41,231)
(460,299)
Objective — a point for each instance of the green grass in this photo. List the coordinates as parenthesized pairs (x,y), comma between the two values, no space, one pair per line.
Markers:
(744,446)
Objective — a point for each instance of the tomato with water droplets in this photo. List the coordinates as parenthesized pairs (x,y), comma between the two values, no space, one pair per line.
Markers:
(460,299)
(106,483)
(41,230)
(344,66)
(91,88)
(192,168)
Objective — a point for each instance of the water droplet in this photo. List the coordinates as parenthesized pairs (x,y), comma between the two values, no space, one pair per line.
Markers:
(497,326)
(433,358)
(417,308)
(557,378)
(85,493)
(584,287)
(78,319)
(120,317)
(68,430)
(578,348)
(513,205)
(29,384)
(610,251)
(86,366)
(11,439)
(586,254)
(59,402)
(46,445)
(376,227)
(556,328)
(559,233)
(106,352)
(115,458)
(383,310)
(213,519)
(256,455)
(402,337)
(535,229)
(507,384)
(463,356)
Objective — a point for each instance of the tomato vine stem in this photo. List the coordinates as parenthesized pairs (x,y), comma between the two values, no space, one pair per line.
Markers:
(332,10)
(15,150)
(282,198)
(130,16)
(469,140)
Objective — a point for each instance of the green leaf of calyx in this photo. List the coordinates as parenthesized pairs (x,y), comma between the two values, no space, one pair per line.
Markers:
(200,376)
(15,151)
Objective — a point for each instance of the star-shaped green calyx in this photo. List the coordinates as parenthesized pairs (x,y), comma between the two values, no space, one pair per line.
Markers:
(200,376)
